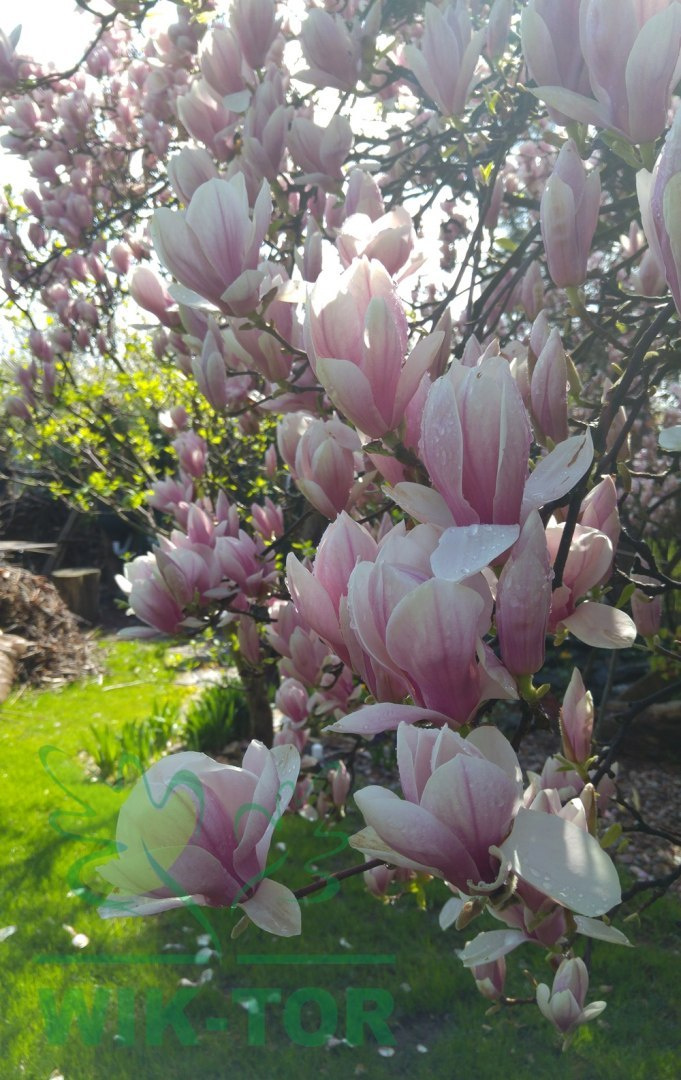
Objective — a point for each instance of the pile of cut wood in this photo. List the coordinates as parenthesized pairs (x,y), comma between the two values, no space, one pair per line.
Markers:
(41,642)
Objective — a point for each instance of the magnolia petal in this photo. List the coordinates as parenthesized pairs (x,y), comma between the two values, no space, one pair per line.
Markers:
(465,550)
(352,394)
(497,749)
(451,912)
(422,503)
(369,843)
(415,367)
(386,716)
(601,626)
(594,928)
(120,905)
(287,762)
(558,472)
(274,908)
(490,946)
(478,799)
(563,862)
(138,872)
(136,633)
(576,106)
(592,1011)
(413,832)
(670,439)
(312,600)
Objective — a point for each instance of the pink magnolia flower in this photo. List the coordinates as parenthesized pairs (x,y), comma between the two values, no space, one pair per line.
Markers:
(324,466)
(242,560)
(390,239)
(221,59)
(569,215)
(9,60)
(659,196)
(194,832)
(427,633)
(292,698)
(317,594)
(192,453)
(256,27)
(356,339)
(475,443)
(589,560)
(599,510)
(320,151)
(647,610)
(379,879)
(548,391)
(332,50)
(524,600)
(341,782)
(147,290)
(249,641)
(577,720)
(550,38)
(490,978)
(462,820)
(362,196)
(149,596)
(206,117)
(213,247)
(445,62)
(268,520)
(563,1004)
(531,294)
(631,50)
(188,169)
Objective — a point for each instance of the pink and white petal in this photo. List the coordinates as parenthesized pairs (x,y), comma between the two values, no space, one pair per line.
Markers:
(386,716)
(352,394)
(312,600)
(558,472)
(414,753)
(416,365)
(243,295)
(120,906)
(489,946)
(563,862)
(594,928)
(431,635)
(287,761)
(274,908)
(576,106)
(374,847)
(497,749)
(451,912)
(466,549)
(183,870)
(476,800)
(414,833)
(422,503)
(601,626)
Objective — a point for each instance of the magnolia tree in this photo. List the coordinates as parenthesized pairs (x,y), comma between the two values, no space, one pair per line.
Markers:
(437,249)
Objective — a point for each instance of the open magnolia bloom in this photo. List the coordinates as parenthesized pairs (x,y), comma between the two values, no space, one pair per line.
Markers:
(463,820)
(194,831)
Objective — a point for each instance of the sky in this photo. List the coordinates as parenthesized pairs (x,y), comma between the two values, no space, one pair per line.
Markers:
(51,29)
(54,29)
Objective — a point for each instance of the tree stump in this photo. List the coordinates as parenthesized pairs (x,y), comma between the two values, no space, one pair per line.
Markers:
(79,589)
(11,649)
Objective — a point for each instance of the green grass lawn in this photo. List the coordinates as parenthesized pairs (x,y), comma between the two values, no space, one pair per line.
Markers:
(135,1014)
